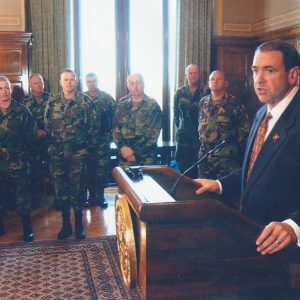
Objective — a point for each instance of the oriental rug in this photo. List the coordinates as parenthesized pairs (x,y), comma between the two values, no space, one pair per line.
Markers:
(60,270)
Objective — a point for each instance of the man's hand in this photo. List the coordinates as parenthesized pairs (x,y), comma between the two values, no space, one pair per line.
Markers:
(41,133)
(207,185)
(275,237)
(126,152)
(131,158)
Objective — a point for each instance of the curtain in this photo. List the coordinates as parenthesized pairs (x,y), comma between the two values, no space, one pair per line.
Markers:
(51,50)
(194,37)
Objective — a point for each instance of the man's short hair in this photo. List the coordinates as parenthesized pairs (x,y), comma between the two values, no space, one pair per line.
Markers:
(4,78)
(68,70)
(190,65)
(139,75)
(34,75)
(88,75)
(221,72)
(291,57)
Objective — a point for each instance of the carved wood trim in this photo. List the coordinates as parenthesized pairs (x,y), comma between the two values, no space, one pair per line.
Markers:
(234,41)
(125,240)
(10,37)
(289,33)
(15,57)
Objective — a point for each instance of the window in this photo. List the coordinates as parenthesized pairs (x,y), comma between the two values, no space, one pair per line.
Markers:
(123,36)
(98,49)
(146,55)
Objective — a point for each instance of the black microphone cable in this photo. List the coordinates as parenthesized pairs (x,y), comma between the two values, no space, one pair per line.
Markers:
(217,147)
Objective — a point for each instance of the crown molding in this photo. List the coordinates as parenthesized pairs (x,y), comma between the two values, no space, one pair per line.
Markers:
(278,22)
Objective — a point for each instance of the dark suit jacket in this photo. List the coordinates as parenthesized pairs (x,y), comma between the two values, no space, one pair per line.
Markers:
(272,193)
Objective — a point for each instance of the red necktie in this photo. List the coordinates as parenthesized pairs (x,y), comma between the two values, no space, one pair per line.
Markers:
(259,140)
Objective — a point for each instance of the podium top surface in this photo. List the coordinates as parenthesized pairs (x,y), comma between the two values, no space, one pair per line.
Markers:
(151,200)
(156,185)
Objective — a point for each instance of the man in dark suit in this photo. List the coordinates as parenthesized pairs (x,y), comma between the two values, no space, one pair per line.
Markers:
(270,187)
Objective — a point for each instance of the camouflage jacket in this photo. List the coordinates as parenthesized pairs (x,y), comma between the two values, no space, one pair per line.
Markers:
(17,132)
(137,128)
(105,105)
(71,124)
(226,120)
(37,107)
(186,108)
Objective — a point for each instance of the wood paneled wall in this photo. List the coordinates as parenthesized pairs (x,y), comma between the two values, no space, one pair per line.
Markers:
(14,57)
(234,56)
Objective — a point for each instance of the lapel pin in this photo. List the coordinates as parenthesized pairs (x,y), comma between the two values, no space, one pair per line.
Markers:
(276,137)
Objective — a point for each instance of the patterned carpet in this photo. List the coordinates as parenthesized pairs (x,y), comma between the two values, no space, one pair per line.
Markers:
(61,270)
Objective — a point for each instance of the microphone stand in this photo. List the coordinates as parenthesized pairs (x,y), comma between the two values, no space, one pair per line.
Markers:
(217,147)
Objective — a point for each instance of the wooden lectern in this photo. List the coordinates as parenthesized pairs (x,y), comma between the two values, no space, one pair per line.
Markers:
(190,245)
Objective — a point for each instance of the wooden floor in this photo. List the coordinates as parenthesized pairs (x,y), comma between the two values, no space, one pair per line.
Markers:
(47,222)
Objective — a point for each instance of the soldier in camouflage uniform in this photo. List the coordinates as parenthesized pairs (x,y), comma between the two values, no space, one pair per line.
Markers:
(17,132)
(136,125)
(99,155)
(222,117)
(186,107)
(69,120)
(39,161)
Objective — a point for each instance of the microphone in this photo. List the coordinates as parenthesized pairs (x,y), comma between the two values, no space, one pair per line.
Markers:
(216,148)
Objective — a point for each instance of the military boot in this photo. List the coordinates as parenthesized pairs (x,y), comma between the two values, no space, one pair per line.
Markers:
(28,234)
(92,196)
(100,198)
(2,230)
(79,230)
(85,201)
(66,229)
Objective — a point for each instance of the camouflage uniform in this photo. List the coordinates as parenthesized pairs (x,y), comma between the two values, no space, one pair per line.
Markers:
(186,107)
(70,124)
(39,161)
(17,132)
(99,155)
(226,120)
(138,129)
